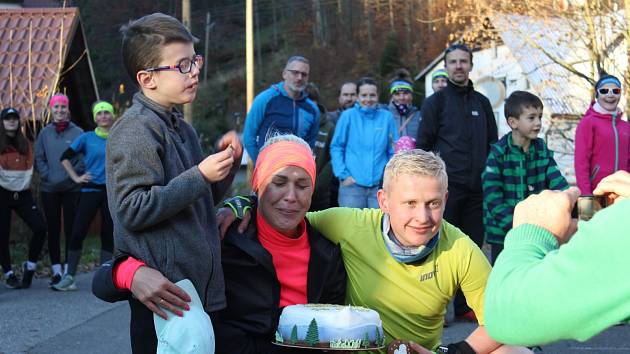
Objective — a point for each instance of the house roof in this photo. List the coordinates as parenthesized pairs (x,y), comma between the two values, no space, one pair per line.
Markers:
(51,43)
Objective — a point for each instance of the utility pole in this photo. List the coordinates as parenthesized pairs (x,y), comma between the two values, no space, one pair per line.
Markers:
(207,44)
(249,50)
(188,108)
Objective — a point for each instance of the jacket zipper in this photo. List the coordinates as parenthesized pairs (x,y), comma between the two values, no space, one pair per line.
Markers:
(614,126)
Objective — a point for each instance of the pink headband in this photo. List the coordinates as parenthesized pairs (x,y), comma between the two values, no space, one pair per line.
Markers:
(279,155)
(58,98)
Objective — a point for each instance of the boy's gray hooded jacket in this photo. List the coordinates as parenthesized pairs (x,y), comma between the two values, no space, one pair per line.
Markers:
(49,147)
(161,205)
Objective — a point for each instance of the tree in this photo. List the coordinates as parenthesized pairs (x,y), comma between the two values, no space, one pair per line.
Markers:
(312,334)
(365,343)
(589,32)
(294,338)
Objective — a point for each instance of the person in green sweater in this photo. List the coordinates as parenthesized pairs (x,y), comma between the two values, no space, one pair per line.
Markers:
(552,282)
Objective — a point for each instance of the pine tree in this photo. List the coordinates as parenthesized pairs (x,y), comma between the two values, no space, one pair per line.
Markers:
(293,339)
(378,340)
(312,334)
(366,341)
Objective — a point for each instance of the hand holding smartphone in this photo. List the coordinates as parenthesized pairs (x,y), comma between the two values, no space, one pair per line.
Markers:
(588,205)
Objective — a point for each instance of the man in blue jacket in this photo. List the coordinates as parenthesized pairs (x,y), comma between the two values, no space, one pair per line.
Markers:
(283,108)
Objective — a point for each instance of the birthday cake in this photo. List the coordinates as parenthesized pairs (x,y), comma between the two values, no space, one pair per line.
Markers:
(330,326)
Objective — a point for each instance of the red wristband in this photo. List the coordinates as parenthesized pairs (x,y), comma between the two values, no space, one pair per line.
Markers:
(124,271)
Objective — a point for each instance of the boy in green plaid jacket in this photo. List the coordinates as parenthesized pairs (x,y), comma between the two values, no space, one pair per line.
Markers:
(518,165)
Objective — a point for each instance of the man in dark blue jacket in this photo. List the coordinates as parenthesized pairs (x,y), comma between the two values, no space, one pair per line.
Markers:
(458,122)
(283,108)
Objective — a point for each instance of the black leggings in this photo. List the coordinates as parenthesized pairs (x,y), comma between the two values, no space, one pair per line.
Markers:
(53,204)
(24,206)
(89,204)
(141,328)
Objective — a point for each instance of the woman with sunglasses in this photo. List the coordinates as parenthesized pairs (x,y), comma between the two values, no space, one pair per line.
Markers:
(602,139)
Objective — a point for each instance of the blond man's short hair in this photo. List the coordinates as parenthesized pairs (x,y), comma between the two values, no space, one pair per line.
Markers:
(415,162)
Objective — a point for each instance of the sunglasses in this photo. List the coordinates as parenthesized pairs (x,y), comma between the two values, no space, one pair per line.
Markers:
(185,65)
(604,91)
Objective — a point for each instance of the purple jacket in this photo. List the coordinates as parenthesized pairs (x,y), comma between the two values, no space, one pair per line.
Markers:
(601,148)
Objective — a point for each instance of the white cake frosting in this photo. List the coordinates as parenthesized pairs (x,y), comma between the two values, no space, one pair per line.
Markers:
(334,323)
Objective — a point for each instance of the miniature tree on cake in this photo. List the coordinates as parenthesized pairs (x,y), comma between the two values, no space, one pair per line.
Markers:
(365,343)
(378,339)
(279,338)
(293,338)
(312,334)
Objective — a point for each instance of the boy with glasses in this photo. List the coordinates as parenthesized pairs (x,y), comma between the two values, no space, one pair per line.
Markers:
(161,189)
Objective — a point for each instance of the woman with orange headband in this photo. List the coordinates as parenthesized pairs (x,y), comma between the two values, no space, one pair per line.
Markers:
(279,260)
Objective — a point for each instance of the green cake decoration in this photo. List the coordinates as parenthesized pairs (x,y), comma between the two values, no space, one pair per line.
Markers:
(279,338)
(294,337)
(312,334)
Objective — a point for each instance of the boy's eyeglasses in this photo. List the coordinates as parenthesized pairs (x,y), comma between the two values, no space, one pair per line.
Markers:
(604,91)
(184,66)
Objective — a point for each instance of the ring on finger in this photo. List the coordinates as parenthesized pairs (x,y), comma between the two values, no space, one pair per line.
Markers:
(162,302)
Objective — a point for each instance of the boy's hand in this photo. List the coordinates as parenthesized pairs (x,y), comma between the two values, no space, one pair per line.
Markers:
(231,139)
(217,166)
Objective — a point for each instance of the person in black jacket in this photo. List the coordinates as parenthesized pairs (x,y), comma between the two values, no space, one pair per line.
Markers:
(459,124)
(278,261)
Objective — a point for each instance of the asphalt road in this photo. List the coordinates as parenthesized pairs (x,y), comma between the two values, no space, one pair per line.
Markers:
(39,320)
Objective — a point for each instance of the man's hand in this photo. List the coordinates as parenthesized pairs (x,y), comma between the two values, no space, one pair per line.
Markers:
(225,218)
(419,349)
(231,139)
(217,166)
(550,210)
(157,293)
(348,181)
(616,186)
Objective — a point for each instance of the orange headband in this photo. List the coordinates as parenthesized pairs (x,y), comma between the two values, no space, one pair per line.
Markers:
(280,155)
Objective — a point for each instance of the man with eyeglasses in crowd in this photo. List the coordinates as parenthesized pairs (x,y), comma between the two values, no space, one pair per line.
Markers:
(458,122)
(283,108)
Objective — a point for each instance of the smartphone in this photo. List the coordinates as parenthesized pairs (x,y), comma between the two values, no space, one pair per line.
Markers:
(588,205)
